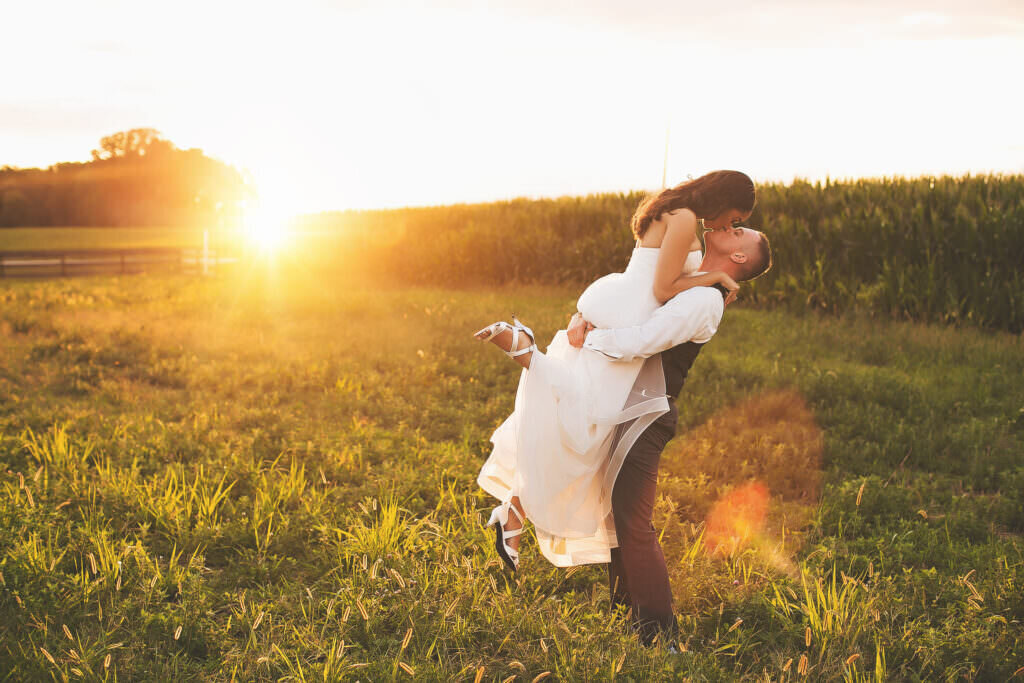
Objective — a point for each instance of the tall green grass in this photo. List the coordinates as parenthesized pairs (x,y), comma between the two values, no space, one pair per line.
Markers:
(945,249)
(271,476)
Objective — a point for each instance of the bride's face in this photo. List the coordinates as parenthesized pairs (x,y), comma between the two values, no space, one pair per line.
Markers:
(726,219)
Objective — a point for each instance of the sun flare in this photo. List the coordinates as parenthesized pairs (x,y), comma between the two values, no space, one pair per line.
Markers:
(266,228)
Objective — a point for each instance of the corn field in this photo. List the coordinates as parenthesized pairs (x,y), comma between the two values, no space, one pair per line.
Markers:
(945,249)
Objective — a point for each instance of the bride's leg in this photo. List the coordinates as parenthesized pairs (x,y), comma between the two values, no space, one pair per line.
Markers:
(503,340)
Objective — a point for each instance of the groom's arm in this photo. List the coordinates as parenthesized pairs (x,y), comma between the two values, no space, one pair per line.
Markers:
(693,315)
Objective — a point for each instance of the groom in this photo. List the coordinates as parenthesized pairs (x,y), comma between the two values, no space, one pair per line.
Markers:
(672,337)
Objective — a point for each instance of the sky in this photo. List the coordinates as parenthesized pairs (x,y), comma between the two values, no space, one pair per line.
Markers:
(334,105)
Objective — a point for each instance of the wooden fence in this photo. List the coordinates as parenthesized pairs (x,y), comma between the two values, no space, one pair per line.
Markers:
(61,263)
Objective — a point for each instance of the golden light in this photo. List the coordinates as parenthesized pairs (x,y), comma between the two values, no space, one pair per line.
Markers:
(266,228)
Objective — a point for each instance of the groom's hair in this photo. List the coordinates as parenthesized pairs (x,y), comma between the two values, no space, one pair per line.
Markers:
(757,263)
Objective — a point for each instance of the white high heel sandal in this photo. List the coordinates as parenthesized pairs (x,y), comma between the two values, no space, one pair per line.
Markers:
(499,518)
(516,327)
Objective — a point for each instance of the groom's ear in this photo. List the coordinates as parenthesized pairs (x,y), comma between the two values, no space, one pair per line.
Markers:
(738,257)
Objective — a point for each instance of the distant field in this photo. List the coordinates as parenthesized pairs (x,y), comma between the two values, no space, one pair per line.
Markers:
(30,239)
(271,476)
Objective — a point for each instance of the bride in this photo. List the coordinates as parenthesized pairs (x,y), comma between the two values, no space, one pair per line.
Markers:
(577,414)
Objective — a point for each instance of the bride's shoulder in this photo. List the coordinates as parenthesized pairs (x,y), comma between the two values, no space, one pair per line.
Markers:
(679,221)
(680,216)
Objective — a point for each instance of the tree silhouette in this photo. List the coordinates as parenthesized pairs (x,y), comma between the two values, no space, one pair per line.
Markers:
(136,177)
(135,142)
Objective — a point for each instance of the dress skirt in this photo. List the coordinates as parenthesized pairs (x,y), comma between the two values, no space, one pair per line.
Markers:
(576,415)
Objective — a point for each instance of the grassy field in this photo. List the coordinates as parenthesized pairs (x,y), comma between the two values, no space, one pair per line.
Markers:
(271,475)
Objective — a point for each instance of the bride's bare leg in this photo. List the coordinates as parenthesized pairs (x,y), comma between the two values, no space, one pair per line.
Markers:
(503,340)
(515,522)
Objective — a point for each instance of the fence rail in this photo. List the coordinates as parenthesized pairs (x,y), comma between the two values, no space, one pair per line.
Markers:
(65,262)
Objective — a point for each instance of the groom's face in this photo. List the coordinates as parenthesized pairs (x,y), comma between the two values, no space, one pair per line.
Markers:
(732,241)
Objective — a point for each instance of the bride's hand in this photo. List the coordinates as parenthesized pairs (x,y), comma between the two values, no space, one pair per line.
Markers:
(731,285)
(577,331)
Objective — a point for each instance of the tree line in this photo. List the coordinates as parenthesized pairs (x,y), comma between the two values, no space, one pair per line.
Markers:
(135,178)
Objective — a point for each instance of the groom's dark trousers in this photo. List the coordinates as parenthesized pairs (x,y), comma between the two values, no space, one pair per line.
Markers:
(637,575)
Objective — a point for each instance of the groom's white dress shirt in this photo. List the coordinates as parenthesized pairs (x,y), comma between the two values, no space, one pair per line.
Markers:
(693,315)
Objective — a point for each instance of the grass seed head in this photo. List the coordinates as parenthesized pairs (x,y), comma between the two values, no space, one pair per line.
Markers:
(67,631)
(177,633)
(541,676)
(801,668)
(47,655)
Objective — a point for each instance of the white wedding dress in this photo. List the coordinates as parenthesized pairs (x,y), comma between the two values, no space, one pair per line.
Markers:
(576,416)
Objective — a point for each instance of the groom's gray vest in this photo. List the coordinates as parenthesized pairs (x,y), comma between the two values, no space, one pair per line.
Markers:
(676,362)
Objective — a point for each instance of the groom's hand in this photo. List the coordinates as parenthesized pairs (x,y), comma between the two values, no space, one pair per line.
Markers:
(578,329)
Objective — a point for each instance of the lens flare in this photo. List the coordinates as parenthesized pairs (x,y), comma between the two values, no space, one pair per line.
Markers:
(744,485)
(737,519)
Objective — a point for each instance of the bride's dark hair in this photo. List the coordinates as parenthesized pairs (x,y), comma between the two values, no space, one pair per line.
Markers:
(707,196)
